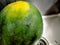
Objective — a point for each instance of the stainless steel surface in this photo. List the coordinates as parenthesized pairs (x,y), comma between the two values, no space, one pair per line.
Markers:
(52,29)
(43,5)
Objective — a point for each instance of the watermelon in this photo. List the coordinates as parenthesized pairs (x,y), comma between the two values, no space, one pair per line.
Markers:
(20,24)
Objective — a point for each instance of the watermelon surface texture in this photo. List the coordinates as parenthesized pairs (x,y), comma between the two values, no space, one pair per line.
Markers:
(20,24)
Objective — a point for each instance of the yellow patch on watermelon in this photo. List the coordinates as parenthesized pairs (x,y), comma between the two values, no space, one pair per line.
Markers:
(21,7)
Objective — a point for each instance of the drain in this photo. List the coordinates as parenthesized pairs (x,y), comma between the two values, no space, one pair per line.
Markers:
(43,41)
